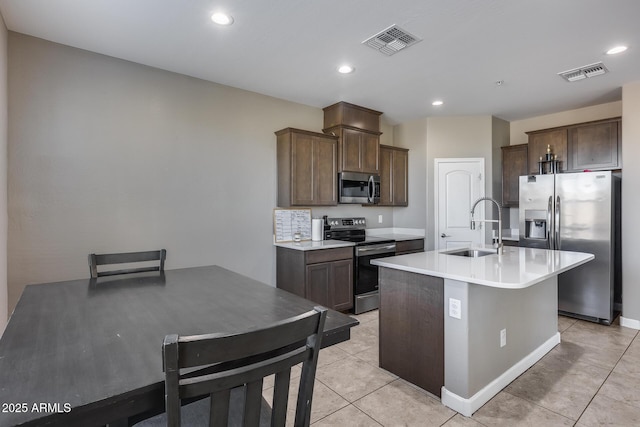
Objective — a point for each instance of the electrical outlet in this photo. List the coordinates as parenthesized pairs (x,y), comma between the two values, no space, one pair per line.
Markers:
(379,219)
(455,308)
(503,337)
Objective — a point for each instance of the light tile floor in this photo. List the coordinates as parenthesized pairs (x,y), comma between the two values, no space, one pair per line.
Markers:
(590,379)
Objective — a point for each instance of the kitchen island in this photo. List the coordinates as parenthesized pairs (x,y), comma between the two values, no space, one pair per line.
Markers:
(463,327)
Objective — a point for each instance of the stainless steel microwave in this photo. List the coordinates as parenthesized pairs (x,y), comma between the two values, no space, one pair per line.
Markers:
(360,188)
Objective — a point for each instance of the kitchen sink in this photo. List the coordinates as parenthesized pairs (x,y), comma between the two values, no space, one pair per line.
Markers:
(470,253)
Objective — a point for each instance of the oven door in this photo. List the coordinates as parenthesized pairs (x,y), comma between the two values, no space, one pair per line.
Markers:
(366,274)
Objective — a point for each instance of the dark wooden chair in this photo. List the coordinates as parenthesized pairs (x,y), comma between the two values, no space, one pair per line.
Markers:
(126,258)
(230,369)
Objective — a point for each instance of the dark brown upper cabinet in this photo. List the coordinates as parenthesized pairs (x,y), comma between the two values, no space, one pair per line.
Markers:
(307,168)
(595,146)
(358,150)
(514,164)
(394,176)
(358,132)
(343,113)
(539,140)
(582,146)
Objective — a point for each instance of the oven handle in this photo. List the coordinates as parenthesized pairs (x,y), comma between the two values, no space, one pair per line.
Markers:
(372,190)
(378,249)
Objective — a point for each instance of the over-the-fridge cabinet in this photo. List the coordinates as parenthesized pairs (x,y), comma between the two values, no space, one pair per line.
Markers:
(577,212)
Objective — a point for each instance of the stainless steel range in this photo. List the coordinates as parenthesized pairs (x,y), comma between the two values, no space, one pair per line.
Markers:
(365,280)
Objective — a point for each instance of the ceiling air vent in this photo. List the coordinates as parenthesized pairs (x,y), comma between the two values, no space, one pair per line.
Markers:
(391,40)
(581,73)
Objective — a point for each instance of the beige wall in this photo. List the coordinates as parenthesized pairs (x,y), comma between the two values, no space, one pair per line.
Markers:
(3,175)
(413,135)
(107,155)
(630,203)
(580,115)
(451,137)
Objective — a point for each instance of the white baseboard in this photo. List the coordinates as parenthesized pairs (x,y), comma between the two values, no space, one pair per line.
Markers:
(468,406)
(629,323)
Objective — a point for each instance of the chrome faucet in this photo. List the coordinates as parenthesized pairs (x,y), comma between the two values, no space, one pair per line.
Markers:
(499,248)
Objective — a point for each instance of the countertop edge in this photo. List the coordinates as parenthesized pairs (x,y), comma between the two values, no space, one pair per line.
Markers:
(383,262)
(310,245)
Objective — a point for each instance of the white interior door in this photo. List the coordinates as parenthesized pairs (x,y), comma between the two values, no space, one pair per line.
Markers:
(458,183)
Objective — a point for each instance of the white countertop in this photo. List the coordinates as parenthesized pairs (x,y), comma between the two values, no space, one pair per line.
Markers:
(398,237)
(508,234)
(517,268)
(310,245)
(397,234)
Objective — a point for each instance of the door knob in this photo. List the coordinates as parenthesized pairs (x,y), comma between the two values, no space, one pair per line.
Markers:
(444,235)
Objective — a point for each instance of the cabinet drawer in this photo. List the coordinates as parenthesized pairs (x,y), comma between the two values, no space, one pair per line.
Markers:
(326,255)
(405,246)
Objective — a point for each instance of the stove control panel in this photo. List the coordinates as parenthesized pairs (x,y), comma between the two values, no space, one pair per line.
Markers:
(346,223)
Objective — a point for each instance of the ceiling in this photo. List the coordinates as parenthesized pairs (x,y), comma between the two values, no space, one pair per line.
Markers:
(290,49)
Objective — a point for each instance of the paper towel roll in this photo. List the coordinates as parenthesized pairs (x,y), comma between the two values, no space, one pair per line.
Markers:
(316,229)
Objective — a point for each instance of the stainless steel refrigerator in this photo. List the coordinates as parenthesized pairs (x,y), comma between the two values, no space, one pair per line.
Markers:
(578,212)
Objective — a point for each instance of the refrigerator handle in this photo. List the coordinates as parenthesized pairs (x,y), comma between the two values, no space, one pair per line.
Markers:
(557,223)
(550,241)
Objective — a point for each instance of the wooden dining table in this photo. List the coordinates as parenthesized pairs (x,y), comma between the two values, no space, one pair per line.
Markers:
(89,352)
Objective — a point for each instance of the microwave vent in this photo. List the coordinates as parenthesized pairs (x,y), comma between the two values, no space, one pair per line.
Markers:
(584,72)
(391,40)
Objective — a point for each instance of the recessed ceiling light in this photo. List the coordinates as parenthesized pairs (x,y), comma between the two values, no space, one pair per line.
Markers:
(346,69)
(617,49)
(437,103)
(222,18)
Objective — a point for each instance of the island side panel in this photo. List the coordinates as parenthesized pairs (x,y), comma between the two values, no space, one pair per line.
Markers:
(529,315)
(412,327)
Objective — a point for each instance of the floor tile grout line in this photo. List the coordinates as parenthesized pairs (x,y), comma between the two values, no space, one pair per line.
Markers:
(544,407)
(605,380)
(350,404)
(594,395)
(361,397)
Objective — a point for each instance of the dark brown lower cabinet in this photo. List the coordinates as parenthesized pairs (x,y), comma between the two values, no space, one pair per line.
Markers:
(404,247)
(412,327)
(324,276)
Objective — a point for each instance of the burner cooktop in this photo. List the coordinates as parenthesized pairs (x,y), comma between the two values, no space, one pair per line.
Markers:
(352,230)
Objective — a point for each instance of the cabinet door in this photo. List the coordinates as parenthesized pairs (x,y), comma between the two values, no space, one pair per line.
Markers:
(594,146)
(318,283)
(370,152)
(351,150)
(400,177)
(386,177)
(394,176)
(331,284)
(538,143)
(341,285)
(325,172)
(514,164)
(302,162)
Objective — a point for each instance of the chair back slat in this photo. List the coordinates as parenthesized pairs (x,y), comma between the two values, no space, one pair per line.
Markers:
(216,348)
(252,403)
(258,353)
(280,398)
(219,409)
(96,260)
(194,386)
